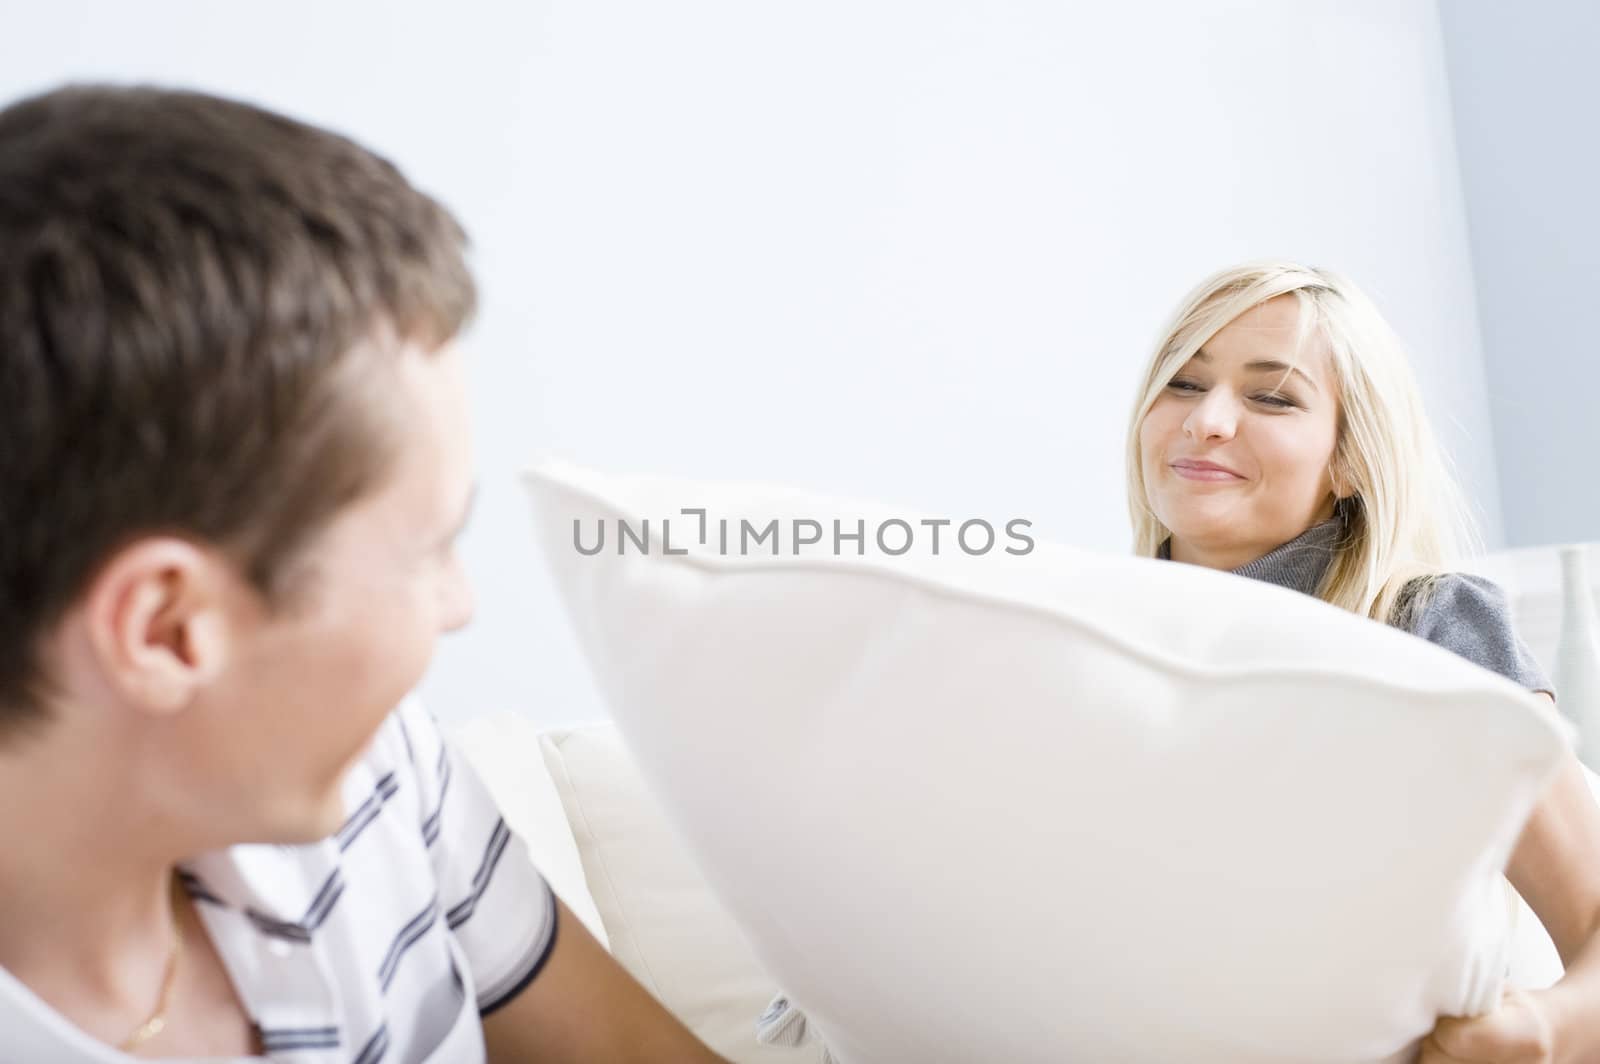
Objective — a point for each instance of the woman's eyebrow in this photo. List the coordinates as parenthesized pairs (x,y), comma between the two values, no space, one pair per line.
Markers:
(1266,365)
(1272,365)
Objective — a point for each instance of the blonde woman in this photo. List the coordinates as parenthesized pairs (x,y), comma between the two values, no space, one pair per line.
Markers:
(1279,434)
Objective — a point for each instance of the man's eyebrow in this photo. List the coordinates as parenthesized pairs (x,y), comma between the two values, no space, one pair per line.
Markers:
(1268,365)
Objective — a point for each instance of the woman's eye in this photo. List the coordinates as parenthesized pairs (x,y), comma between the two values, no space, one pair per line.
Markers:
(1276,400)
(1184,386)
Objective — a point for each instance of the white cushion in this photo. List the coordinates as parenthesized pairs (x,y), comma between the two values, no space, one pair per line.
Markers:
(1057,805)
(666,927)
(504,750)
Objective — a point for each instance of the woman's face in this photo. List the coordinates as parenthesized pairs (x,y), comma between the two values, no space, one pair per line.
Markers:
(1238,447)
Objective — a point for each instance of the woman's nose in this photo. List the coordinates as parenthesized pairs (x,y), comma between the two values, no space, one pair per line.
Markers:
(1216,416)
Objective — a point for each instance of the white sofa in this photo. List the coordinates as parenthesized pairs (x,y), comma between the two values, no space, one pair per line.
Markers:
(576,797)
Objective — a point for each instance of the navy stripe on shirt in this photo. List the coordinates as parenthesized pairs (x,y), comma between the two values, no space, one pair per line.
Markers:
(368,811)
(430,826)
(300,931)
(498,839)
(283,1039)
(409,935)
(375,1048)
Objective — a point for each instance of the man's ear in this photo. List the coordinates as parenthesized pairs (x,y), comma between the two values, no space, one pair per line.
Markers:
(158,623)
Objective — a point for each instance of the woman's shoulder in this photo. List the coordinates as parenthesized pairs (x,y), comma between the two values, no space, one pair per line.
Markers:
(1471,616)
(1449,598)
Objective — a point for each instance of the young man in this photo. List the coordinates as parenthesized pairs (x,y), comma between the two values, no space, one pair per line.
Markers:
(233,459)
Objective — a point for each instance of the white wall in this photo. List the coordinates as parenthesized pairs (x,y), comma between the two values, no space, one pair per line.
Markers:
(899,249)
(1524,80)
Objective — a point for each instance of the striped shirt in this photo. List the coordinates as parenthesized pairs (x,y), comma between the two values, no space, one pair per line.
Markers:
(386,942)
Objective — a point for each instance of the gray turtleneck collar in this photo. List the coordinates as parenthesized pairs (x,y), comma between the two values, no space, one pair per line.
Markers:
(1298,564)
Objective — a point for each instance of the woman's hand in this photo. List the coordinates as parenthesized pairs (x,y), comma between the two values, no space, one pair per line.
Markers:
(1519,1031)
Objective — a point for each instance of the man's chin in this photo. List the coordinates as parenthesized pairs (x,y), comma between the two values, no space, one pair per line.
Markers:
(332,818)
(320,815)
(316,820)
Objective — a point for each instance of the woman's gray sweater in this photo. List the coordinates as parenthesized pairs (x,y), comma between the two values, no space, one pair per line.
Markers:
(1462,613)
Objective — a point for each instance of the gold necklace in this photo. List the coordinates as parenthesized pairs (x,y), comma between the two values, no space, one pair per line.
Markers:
(158,1019)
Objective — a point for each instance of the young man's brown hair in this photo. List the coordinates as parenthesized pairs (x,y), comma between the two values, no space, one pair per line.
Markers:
(183,280)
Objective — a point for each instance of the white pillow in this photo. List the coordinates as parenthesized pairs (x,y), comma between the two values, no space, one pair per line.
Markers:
(665,925)
(1058,805)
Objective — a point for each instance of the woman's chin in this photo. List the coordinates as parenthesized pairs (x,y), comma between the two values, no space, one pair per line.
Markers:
(1212,525)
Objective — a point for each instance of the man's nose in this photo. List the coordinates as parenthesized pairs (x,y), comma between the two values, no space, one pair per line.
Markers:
(459,601)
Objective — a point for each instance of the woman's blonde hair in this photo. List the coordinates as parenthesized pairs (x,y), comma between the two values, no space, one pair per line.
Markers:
(1404,514)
